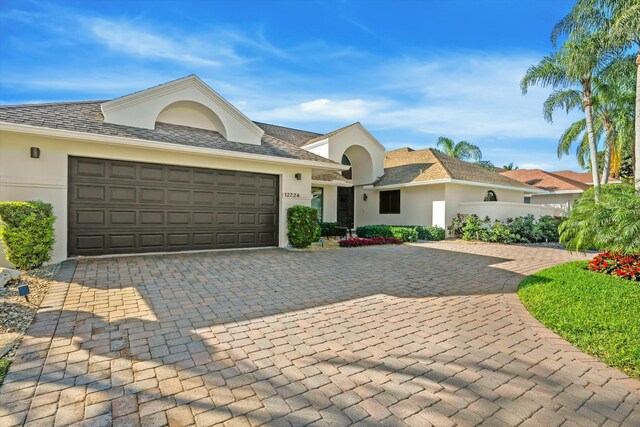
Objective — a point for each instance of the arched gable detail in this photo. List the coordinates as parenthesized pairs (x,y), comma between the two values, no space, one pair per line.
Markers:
(192,114)
(172,101)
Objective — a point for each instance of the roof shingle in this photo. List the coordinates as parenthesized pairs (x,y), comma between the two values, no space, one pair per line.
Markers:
(406,165)
(87,117)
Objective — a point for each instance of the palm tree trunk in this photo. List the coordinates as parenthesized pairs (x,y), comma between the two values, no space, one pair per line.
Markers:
(636,178)
(609,141)
(593,148)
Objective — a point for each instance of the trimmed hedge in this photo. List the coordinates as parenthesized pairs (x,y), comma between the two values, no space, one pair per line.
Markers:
(302,224)
(408,233)
(27,232)
(328,229)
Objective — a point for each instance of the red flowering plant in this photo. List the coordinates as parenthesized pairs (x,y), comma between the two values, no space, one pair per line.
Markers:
(623,266)
(358,241)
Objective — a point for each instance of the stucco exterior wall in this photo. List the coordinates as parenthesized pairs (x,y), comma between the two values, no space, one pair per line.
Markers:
(416,206)
(459,193)
(340,143)
(504,210)
(23,178)
(561,201)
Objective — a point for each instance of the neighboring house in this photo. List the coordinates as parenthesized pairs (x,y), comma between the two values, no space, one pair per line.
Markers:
(177,167)
(563,188)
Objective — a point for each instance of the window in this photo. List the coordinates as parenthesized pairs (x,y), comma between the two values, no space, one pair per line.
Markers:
(317,196)
(527,200)
(490,197)
(348,173)
(390,202)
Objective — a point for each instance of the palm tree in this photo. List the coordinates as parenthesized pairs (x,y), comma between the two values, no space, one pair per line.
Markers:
(487,164)
(612,104)
(462,150)
(574,65)
(510,167)
(620,21)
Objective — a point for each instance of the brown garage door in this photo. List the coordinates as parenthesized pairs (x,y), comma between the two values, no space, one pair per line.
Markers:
(126,207)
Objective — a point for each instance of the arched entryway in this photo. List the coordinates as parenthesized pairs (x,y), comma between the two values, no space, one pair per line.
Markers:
(359,173)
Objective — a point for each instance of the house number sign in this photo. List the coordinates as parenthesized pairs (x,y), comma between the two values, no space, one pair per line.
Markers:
(292,195)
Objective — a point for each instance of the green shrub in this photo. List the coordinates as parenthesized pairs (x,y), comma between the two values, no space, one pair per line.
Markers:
(436,233)
(407,234)
(613,224)
(457,224)
(423,232)
(549,226)
(371,231)
(328,229)
(522,229)
(475,228)
(27,232)
(302,223)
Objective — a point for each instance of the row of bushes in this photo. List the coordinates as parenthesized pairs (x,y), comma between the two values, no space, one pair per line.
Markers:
(408,233)
(358,241)
(522,229)
(27,232)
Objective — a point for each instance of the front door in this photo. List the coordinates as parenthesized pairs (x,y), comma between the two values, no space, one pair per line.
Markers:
(345,206)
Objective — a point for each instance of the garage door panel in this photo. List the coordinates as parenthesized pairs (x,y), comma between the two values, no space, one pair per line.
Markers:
(89,217)
(152,172)
(123,207)
(122,194)
(122,241)
(89,168)
(122,170)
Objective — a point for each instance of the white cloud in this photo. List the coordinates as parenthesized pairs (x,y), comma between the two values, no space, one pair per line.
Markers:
(133,41)
(322,109)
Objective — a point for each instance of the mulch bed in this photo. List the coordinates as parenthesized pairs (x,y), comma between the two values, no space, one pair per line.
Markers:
(16,313)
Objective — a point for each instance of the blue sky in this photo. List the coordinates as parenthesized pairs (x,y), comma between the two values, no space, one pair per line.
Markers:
(410,71)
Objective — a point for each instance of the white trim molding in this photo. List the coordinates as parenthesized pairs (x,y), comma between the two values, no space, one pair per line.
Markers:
(164,146)
(455,181)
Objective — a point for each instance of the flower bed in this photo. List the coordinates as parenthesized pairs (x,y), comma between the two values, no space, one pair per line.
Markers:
(623,266)
(358,241)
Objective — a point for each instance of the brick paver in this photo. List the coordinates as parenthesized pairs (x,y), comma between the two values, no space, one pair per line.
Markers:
(426,334)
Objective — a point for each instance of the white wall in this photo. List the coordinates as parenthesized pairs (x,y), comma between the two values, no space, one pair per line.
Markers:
(504,210)
(338,144)
(23,178)
(416,206)
(561,201)
(460,193)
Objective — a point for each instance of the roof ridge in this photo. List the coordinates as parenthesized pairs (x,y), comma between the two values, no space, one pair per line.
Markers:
(435,152)
(566,179)
(286,127)
(329,134)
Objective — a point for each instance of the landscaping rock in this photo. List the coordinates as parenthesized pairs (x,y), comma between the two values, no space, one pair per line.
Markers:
(7,341)
(8,275)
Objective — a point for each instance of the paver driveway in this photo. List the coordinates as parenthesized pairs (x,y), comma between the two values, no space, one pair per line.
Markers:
(424,334)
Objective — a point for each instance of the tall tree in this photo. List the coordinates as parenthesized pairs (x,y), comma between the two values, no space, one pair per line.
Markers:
(510,167)
(462,150)
(573,65)
(612,98)
(620,21)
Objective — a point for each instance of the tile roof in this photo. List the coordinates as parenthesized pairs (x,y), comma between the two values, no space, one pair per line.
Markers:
(554,181)
(406,165)
(87,117)
(545,180)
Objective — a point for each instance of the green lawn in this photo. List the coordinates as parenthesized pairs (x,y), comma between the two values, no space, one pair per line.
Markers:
(599,314)
(4,368)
